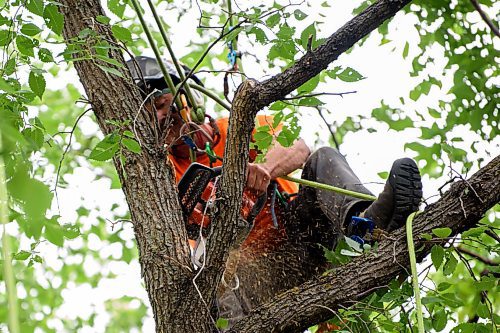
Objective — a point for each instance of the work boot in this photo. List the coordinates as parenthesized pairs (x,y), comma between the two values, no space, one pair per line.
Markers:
(401,196)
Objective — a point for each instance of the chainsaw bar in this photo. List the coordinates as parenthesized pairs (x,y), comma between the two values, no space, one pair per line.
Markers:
(192,184)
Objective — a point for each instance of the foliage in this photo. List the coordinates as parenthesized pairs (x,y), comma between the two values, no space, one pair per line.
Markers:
(50,144)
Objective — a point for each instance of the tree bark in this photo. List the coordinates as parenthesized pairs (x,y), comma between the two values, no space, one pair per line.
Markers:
(460,208)
(147,180)
(178,303)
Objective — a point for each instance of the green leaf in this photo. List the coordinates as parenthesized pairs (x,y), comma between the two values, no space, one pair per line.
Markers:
(35,6)
(116,7)
(486,283)
(132,145)
(222,323)
(53,232)
(110,70)
(103,19)
(34,136)
(121,33)
(54,19)
(442,232)
(450,265)
(45,55)
(37,83)
(482,311)
(451,300)
(309,86)
(405,50)
(129,134)
(383,174)
(350,75)
(71,231)
(426,236)
(30,29)
(273,20)
(25,45)
(10,66)
(439,320)
(277,106)
(263,140)
(437,255)
(310,101)
(5,37)
(443,286)
(106,149)
(22,255)
(277,119)
(304,36)
(434,113)
(299,15)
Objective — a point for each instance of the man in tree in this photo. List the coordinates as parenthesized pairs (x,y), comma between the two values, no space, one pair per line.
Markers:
(285,246)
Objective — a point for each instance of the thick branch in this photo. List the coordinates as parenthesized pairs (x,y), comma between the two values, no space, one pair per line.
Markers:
(313,62)
(459,209)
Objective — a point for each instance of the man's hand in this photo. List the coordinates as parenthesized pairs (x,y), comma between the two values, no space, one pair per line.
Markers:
(258,178)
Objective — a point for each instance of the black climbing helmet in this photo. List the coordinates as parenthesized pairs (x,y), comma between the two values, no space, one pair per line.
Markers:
(147,74)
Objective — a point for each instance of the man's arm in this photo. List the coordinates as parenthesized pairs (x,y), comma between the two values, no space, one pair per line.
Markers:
(279,161)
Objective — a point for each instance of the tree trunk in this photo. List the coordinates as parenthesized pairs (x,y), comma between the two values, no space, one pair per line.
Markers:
(147,180)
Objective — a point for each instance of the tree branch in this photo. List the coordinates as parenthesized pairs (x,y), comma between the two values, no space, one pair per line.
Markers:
(485,18)
(296,309)
(477,256)
(313,62)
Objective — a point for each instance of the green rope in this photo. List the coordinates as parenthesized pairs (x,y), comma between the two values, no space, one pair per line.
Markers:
(330,188)
(413,264)
(211,95)
(152,43)
(10,282)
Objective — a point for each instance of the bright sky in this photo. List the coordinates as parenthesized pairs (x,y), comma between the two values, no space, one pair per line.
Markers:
(387,78)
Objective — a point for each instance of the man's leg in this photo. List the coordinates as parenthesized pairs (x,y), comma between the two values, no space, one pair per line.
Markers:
(314,217)
(319,216)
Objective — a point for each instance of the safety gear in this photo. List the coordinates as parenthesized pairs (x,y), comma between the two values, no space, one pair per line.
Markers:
(150,77)
(401,196)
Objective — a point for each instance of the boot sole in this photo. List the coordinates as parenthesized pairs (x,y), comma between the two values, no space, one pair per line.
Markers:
(407,186)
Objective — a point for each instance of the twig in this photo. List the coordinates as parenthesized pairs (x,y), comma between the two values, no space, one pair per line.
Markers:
(65,152)
(222,35)
(484,295)
(221,71)
(492,235)
(318,94)
(407,318)
(462,205)
(332,133)
(467,182)
(485,18)
(334,313)
(477,256)
(118,221)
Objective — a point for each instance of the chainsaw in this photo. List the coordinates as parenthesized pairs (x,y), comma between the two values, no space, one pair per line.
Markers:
(197,189)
